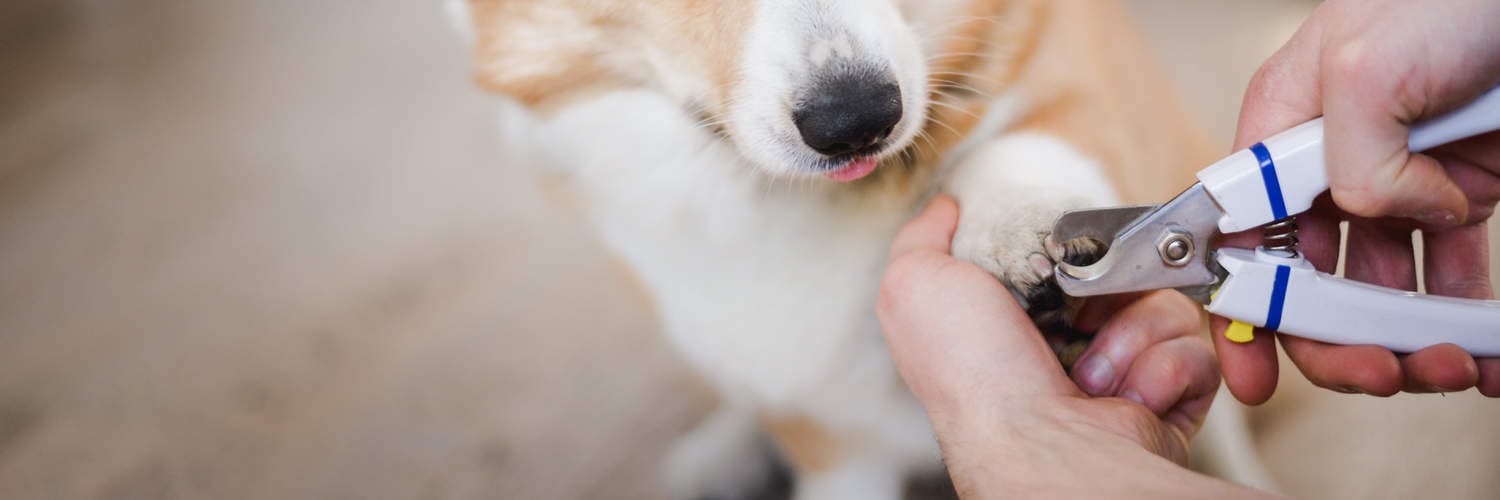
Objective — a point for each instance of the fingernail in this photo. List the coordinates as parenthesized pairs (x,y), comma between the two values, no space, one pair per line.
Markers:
(1440,389)
(1437,217)
(1347,389)
(1095,374)
(1133,396)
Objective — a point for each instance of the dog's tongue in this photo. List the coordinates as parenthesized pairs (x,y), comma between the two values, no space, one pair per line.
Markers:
(856,169)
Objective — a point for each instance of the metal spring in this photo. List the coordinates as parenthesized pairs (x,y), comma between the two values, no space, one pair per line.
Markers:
(1281,235)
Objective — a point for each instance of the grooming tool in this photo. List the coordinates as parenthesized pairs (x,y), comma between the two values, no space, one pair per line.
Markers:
(1272,286)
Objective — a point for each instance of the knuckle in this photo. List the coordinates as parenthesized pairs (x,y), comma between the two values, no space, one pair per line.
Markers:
(1203,356)
(1174,368)
(1350,61)
(1262,83)
(1362,68)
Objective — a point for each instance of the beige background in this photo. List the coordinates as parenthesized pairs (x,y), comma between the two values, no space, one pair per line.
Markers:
(270,249)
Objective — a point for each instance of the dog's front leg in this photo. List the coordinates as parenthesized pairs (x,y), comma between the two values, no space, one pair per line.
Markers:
(836,463)
(1010,190)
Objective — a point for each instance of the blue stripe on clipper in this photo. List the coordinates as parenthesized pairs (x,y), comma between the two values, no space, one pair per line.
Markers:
(1268,176)
(1278,297)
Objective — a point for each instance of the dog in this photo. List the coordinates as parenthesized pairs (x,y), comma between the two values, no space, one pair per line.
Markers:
(750,160)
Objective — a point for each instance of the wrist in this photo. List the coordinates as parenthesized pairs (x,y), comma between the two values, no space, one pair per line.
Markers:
(1028,448)
(989,454)
(1053,449)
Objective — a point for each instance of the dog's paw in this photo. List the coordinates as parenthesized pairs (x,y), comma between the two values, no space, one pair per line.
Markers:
(1015,244)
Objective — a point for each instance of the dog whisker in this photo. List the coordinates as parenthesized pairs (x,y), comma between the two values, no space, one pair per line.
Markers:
(954,84)
(952,55)
(966,76)
(938,29)
(955,108)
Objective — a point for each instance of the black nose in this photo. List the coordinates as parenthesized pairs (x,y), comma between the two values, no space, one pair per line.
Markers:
(848,115)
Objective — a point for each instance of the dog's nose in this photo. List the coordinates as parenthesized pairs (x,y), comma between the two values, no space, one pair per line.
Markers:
(847,115)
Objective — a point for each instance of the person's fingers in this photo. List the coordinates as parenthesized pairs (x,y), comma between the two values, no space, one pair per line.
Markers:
(956,334)
(1456,262)
(1489,377)
(932,230)
(1377,255)
(1474,164)
(1318,232)
(1440,368)
(1153,319)
(1370,171)
(1176,379)
(1369,101)
(1284,92)
(1397,183)
(1250,369)
(1351,369)
(1380,254)
(1097,311)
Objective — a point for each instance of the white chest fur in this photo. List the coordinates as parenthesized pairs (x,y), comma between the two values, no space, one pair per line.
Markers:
(767,287)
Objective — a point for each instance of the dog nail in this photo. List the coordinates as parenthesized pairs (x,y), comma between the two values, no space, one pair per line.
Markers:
(1440,389)
(1041,265)
(1053,248)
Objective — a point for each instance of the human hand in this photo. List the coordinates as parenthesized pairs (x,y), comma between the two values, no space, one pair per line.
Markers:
(1006,415)
(1371,68)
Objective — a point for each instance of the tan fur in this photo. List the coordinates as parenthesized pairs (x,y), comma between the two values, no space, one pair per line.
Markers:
(1082,71)
(573,63)
(591,46)
(981,59)
(1099,89)
(717,29)
(1070,59)
(807,446)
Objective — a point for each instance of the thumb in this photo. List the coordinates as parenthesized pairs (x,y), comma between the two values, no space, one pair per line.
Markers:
(1371,172)
(958,337)
(1367,182)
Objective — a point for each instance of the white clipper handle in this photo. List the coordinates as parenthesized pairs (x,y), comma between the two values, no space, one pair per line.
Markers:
(1282,175)
(1288,295)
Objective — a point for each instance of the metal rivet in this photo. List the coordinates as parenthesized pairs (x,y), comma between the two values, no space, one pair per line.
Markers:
(1176,248)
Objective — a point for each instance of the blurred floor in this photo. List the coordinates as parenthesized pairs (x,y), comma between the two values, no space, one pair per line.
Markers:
(271,250)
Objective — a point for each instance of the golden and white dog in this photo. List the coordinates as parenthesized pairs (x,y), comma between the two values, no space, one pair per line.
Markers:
(751,159)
